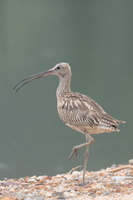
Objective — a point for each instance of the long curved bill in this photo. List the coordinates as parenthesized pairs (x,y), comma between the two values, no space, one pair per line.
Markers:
(32,77)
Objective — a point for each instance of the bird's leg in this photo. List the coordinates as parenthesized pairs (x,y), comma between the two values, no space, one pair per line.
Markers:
(75,150)
(89,140)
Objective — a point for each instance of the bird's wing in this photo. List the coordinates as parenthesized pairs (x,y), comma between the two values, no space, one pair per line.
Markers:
(81,110)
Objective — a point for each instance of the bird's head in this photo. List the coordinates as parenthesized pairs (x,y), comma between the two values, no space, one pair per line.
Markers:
(62,70)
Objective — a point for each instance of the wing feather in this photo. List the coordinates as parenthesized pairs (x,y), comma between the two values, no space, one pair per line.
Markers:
(80,110)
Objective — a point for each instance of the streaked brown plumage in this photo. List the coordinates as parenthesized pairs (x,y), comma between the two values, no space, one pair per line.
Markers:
(84,114)
(76,110)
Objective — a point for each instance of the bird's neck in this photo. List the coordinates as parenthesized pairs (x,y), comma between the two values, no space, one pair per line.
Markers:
(64,86)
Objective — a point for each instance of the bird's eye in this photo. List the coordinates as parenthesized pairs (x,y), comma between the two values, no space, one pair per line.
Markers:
(58,67)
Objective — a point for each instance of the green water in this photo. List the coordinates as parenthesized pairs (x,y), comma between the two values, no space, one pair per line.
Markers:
(96,39)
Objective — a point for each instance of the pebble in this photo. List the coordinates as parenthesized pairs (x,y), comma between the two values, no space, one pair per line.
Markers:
(75,174)
(118,178)
(106,193)
(101,186)
(32,179)
(114,165)
(68,177)
(48,194)
(69,194)
(39,178)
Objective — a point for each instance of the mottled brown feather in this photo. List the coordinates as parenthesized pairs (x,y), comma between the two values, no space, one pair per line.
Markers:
(79,111)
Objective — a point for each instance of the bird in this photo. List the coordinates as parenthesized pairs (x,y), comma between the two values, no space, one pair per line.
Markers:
(78,111)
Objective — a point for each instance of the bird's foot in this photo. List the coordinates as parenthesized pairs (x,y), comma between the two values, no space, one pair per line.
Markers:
(82,183)
(73,152)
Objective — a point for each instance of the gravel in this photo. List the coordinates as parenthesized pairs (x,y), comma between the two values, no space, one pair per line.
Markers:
(114,183)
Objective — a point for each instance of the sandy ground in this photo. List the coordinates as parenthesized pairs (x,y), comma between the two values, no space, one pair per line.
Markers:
(114,183)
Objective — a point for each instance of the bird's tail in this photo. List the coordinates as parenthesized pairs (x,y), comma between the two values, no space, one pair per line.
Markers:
(121,122)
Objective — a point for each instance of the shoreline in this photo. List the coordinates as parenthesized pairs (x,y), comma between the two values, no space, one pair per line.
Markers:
(106,184)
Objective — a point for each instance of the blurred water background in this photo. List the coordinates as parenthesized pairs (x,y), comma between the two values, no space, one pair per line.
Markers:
(96,39)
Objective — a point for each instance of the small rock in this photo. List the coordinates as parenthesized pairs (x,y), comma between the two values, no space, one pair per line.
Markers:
(21,179)
(32,179)
(48,194)
(114,165)
(118,178)
(39,178)
(76,174)
(106,193)
(68,177)
(69,194)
